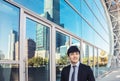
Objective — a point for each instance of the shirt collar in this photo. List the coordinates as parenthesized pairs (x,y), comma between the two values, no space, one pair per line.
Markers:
(77,64)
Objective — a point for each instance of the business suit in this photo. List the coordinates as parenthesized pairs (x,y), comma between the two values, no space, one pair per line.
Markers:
(84,73)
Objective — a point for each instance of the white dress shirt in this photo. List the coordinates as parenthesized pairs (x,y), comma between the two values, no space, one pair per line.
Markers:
(76,71)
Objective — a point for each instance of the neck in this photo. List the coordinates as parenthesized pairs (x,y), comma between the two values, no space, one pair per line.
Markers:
(74,63)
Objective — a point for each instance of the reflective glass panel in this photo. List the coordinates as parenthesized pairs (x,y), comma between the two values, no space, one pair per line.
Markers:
(9,31)
(59,12)
(34,5)
(75,42)
(62,44)
(9,72)
(91,56)
(96,62)
(85,55)
(92,24)
(37,51)
(103,60)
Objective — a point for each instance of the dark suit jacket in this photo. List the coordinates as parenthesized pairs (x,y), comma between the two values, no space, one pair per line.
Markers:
(84,73)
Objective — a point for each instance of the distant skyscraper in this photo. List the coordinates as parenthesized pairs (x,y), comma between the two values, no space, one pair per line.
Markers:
(42,37)
(1,55)
(17,51)
(13,37)
(52,7)
(86,50)
(29,49)
(52,13)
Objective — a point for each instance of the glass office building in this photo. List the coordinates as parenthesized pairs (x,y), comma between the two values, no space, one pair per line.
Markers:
(35,35)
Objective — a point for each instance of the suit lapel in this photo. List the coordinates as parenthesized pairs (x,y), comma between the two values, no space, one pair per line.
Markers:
(68,71)
(80,72)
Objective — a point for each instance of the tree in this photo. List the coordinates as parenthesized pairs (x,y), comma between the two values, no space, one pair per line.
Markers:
(63,60)
(37,61)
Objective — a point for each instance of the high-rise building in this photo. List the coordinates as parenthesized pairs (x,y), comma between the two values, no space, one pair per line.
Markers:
(29,50)
(86,50)
(1,55)
(52,7)
(13,37)
(52,13)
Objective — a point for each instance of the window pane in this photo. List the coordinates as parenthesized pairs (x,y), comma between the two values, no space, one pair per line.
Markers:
(85,55)
(9,72)
(103,60)
(91,56)
(37,50)
(9,25)
(62,44)
(96,62)
(75,42)
(34,5)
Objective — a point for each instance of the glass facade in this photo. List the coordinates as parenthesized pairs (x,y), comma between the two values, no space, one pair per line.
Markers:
(37,51)
(35,36)
(9,72)
(9,31)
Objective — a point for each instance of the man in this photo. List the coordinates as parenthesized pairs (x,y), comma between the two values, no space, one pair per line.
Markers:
(76,71)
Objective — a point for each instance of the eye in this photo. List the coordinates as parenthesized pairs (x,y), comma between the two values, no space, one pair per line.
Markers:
(71,53)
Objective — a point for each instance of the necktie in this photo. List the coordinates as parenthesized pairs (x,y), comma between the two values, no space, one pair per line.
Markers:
(73,74)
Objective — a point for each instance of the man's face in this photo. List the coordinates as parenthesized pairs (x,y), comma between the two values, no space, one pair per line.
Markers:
(74,57)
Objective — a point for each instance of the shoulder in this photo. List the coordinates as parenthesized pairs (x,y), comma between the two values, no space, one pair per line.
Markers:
(66,68)
(83,66)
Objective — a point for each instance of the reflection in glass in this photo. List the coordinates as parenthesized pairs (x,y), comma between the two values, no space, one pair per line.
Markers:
(96,62)
(9,72)
(69,18)
(75,42)
(96,18)
(50,9)
(62,44)
(34,5)
(8,31)
(37,51)
(85,55)
(56,11)
(103,60)
(91,62)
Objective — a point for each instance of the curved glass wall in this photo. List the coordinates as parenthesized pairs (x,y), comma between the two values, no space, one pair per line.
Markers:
(84,25)
(89,21)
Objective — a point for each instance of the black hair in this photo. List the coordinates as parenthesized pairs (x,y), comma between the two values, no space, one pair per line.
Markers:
(73,49)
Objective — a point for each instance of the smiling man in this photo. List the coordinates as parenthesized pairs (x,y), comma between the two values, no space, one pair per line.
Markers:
(76,71)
